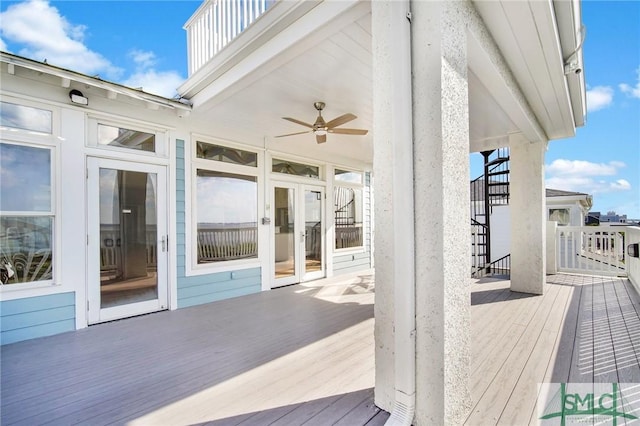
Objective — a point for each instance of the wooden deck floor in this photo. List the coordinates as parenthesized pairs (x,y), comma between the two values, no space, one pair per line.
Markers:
(304,355)
(296,355)
(583,329)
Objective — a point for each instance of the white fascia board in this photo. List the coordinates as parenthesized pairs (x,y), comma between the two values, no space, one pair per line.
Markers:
(568,15)
(63,74)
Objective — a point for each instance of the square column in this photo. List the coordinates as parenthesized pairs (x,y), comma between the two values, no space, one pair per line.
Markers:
(442,211)
(528,215)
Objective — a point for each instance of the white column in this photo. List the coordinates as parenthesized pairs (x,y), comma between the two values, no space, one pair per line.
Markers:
(384,21)
(442,245)
(528,215)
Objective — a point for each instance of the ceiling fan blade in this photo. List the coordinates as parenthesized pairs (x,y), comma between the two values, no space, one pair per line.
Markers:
(293,134)
(302,123)
(348,131)
(321,138)
(345,118)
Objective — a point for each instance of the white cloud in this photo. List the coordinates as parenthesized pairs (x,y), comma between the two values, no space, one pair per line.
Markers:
(3,46)
(634,91)
(143,59)
(162,83)
(585,176)
(577,168)
(599,97)
(45,34)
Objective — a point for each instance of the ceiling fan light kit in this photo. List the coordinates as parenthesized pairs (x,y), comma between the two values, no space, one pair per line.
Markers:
(320,128)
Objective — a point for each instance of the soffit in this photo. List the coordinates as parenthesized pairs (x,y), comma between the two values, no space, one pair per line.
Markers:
(526,33)
(338,71)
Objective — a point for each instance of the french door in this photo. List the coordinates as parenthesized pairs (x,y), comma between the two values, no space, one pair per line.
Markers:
(127,239)
(297,233)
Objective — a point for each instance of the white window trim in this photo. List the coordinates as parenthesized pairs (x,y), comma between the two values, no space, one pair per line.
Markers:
(56,279)
(353,185)
(192,164)
(161,140)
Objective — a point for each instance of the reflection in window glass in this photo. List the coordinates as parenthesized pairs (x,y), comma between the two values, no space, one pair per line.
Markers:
(297,169)
(126,138)
(226,155)
(562,216)
(227,216)
(347,176)
(26,247)
(25,118)
(348,217)
(26,214)
(25,184)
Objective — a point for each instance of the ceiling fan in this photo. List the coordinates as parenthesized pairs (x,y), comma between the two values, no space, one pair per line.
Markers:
(320,128)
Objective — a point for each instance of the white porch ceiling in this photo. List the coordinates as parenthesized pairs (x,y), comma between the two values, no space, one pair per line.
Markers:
(338,71)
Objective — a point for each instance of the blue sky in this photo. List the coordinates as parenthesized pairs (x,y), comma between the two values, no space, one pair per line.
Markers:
(142,44)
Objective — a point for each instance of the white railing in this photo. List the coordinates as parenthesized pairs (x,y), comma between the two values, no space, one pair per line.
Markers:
(594,250)
(227,244)
(632,236)
(111,249)
(215,24)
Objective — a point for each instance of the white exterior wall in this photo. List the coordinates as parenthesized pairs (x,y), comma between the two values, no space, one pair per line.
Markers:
(73,128)
(500,231)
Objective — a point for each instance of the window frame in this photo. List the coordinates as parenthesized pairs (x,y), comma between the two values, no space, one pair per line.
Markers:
(557,208)
(53,213)
(161,138)
(351,185)
(192,267)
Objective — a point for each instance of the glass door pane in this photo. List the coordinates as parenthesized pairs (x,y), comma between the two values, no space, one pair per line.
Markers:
(128,237)
(313,230)
(284,233)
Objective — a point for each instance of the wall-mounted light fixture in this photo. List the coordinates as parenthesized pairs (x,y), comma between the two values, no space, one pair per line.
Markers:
(77,97)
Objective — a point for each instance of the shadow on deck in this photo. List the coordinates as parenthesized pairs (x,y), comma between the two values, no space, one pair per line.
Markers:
(225,361)
(305,355)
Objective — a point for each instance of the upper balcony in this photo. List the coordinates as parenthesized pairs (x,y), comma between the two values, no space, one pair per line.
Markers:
(215,24)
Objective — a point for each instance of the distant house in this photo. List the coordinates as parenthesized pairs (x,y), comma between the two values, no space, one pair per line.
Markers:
(568,207)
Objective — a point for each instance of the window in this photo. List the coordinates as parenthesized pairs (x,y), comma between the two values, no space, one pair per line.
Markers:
(348,209)
(126,138)
(297,169)
(226,204)
(25,118)
(562,216)
(26,214)
(226,155)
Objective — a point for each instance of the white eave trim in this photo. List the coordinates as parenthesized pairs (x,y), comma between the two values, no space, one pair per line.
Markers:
(570,30)
(112,89)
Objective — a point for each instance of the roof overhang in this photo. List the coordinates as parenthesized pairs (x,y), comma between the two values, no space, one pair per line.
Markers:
(541,42)
(112,90)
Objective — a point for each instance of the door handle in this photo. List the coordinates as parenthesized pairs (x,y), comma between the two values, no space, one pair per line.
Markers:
(164,243)
(302,235)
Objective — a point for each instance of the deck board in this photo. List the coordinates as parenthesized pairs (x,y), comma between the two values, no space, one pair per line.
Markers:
(304,355)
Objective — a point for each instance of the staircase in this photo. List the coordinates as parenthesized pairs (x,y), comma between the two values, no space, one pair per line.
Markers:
(487,191)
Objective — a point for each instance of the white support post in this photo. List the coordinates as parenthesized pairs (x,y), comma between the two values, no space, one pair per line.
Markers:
(442,211)
(528,215)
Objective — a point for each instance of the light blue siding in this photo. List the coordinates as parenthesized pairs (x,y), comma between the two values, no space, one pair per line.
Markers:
(39,316)
(199,289)
(353,262)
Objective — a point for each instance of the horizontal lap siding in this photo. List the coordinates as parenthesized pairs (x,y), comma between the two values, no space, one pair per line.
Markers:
(352,262)
(31,317)
(196,290)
